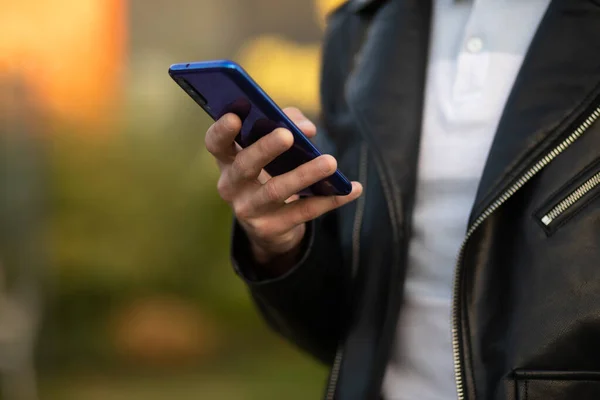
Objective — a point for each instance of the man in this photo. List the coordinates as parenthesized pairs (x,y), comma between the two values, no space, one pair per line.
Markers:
(455,116)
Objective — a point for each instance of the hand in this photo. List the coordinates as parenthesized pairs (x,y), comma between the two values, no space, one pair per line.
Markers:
(267,207)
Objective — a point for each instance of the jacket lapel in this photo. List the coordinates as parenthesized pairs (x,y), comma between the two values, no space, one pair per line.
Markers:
(559,78)
(386,89)
(384,94)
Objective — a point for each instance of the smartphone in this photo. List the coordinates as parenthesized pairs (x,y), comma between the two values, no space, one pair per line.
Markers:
(222,87)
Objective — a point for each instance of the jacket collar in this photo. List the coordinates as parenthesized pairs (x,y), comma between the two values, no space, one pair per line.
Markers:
(386,88)
(558,78)
(557,82)
(362,6)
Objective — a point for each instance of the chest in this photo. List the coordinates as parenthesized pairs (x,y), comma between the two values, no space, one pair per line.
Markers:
(472,65)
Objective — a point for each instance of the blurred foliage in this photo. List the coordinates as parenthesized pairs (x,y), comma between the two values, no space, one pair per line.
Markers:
(264,378)
(140,300)
(142,280)
(136,216)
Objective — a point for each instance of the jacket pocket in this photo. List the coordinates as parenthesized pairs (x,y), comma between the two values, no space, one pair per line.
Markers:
(557,385)
(573,197)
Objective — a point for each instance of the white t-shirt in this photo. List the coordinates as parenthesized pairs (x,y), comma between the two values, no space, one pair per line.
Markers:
(477,48)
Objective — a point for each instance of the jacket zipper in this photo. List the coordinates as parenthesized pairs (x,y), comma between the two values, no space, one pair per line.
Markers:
(358,217)
(456,303)
(571,199)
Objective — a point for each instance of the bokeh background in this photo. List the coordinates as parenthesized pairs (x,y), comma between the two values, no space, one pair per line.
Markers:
(115,280)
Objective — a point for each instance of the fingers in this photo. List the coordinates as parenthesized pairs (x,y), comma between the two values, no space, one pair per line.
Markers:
(278,189)
(249,162)
(305,125)
(309,208)
(220,137)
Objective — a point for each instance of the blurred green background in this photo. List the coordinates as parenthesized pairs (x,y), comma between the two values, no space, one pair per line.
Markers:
(115,280)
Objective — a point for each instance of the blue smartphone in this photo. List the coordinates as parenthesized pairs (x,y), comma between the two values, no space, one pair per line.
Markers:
(222,87)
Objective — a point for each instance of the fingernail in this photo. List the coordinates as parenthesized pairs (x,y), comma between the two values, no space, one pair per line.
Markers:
(324,165)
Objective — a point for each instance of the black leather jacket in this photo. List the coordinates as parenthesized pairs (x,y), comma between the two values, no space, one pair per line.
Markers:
(526,311)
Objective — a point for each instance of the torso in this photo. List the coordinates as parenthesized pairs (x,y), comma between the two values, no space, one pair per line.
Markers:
(473,64)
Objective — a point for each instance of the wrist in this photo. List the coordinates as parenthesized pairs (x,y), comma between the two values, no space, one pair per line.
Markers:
(276,258)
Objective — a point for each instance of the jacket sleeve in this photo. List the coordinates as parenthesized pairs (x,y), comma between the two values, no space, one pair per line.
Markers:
(305,304)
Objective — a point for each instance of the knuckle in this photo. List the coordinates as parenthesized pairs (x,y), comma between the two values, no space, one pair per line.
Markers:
(336,201)
(272,191)
(261,227)
(263,146)
(303,176)
(307,212)
(240,168)
(224,188)
(242,210)
(209,142)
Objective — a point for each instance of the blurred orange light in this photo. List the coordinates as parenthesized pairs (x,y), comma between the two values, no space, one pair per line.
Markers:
(291,76)
(70,53)
(324,7)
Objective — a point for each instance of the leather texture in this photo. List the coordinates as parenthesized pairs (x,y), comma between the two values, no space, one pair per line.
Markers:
(558,385)
(528,300)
